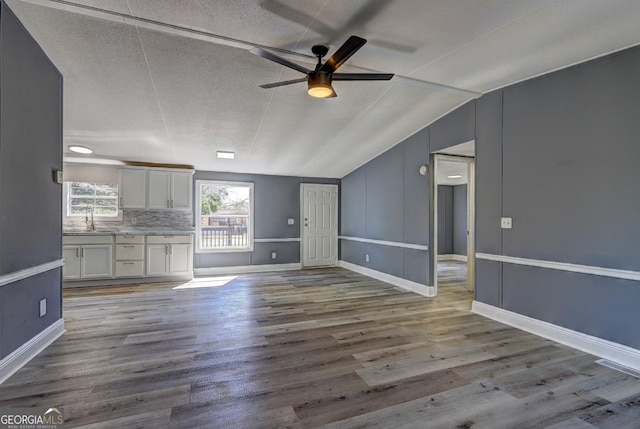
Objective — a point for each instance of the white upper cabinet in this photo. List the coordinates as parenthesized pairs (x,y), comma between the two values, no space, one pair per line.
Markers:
(169,190)
(181,190)
(159,196)
(133,188)
(156,189)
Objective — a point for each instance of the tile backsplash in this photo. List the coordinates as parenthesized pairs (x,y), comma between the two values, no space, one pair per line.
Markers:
(143,218)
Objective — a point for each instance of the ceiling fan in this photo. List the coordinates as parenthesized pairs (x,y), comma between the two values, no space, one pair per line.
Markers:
(319,80)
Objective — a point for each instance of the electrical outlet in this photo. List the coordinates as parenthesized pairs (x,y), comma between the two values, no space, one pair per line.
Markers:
(506,223)
(134,220)
(366,257)
(291,221)
(43,307)
(273,255)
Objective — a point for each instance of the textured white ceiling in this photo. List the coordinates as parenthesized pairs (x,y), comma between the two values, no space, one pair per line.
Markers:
(144,91)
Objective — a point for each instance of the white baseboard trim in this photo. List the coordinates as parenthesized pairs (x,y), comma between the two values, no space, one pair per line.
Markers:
(424,290)
(452,257)
(618,353)
(199,272)
(21,356)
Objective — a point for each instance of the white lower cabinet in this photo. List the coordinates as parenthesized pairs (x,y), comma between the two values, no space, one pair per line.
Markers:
(87,261)
(94,257)
(169,255)
(71,268)
(157,260)
(129,256)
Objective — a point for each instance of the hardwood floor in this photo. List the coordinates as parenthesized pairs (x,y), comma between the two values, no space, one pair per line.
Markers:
(319,348)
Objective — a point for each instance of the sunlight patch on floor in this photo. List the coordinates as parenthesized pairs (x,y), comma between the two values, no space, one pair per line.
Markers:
(202,282)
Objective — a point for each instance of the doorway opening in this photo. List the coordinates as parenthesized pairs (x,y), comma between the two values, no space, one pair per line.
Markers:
(453,218)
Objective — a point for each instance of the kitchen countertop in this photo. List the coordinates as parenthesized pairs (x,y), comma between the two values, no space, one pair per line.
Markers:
(129,231)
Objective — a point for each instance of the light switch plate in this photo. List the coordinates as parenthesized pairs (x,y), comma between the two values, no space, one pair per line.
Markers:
(290,221)
(43,307)
(506,223)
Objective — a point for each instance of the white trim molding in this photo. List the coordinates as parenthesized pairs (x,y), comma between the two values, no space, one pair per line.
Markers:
(385,243)
(245,269)
(615,352)
(424,290)
(563,266)
(21,356)
(15,276)
(276,240)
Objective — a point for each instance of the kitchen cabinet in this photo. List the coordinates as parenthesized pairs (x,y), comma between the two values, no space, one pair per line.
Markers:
(88,257)
(169,255)
(129,256)
(133,188)
(169,190)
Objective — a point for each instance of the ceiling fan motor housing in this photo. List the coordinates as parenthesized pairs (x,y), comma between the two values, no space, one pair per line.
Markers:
(319,50)
(319,78)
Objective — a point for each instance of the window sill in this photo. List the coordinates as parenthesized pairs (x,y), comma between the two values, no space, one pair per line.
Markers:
(243,250)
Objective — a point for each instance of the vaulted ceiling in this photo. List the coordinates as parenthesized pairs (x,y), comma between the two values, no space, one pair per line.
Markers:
(173,81)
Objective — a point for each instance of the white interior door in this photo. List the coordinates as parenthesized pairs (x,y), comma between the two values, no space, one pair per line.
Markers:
(319,225)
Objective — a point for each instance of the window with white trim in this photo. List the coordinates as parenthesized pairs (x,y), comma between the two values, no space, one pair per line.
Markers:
(224,217)
(84,198)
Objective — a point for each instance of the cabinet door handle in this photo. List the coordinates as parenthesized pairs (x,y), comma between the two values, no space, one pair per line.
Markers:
(171,203)
(82,252)
(121,202)
(131,245)
(170,250)
(168,203)
(77,252)
(127,263)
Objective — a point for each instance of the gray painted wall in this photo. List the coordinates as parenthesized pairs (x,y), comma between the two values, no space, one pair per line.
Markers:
(459,220)
(445,219)
(387,199)
(452,220)
(31,213)
(555,153)
(276,199)
(489,197)
(391,198)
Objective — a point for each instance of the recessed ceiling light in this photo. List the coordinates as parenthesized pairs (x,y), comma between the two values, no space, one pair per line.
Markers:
(223,154)
(454,176)
(80,149)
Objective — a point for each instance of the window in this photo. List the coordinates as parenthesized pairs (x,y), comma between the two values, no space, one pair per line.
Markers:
(99,198)
(225,218)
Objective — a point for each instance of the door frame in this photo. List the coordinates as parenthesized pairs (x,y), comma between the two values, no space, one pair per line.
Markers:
(471,216)
(304,186)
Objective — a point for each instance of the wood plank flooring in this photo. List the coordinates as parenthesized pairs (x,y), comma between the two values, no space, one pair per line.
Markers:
(322,348)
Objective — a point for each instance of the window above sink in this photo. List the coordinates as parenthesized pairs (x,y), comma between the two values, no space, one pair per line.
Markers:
(83,199)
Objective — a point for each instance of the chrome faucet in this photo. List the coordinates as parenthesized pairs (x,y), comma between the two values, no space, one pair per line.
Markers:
(90,225)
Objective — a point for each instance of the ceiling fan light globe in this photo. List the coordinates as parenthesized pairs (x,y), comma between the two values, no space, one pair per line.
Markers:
(319,85)
(320,90)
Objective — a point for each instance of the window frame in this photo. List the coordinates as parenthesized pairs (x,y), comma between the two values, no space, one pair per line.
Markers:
(103,218)
(250,220)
